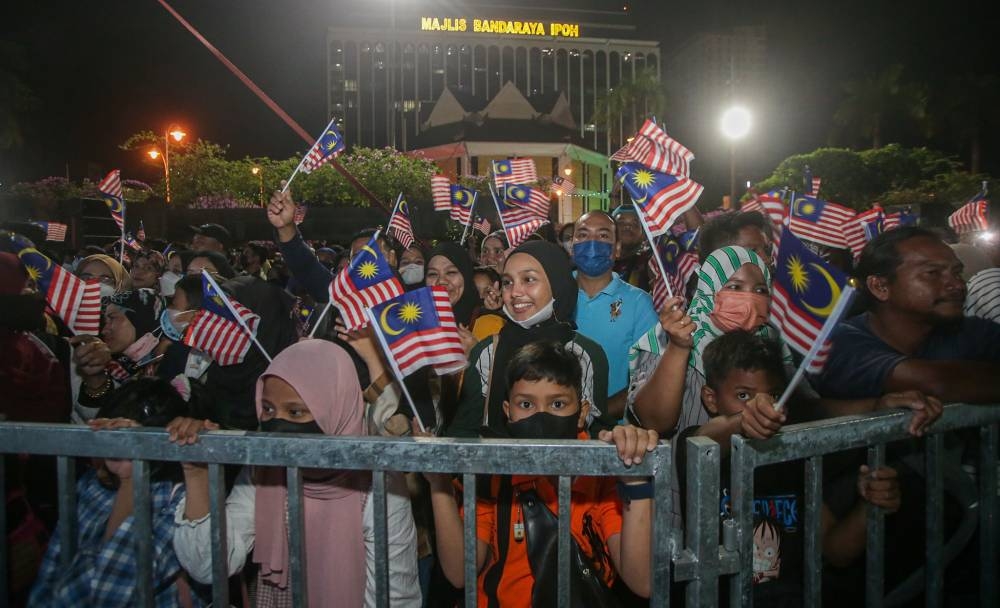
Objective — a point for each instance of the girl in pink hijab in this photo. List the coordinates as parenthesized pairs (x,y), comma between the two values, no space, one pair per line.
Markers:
(310,387)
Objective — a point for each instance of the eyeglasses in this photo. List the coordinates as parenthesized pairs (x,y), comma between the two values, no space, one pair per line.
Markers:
(86,276)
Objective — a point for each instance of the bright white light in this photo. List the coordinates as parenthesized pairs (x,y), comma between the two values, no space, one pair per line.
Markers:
(988,237)
(736,122)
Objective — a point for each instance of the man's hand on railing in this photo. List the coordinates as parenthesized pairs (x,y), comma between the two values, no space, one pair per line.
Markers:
(759,419)
(632,442)
(880,487)
(184,431)
(926,409)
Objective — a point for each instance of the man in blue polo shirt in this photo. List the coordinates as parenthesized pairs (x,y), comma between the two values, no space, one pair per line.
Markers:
(608,310)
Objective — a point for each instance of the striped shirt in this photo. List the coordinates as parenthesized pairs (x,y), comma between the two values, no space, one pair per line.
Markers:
(983,299)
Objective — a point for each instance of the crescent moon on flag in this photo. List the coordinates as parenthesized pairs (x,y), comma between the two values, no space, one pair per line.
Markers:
(114,204)
(799,203)
(32,250)
(834,293)
(384,321)
(369,250)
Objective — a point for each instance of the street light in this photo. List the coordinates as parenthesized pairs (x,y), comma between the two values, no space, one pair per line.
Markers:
(260,177)
(735,125)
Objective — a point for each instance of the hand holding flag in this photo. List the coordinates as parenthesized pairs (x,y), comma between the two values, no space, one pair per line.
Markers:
(76,302)
(366,282)
(223,328)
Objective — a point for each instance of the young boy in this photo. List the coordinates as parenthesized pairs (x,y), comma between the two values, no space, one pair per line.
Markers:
(744,377)
(544,383)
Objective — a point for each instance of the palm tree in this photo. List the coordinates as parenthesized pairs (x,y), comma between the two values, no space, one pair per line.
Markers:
(877,100)
(965,108)
(629,103)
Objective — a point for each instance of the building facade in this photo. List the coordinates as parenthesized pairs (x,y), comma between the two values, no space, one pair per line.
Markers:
(384,78)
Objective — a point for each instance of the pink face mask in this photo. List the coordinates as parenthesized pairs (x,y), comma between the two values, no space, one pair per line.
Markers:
(141,347)
(740,310)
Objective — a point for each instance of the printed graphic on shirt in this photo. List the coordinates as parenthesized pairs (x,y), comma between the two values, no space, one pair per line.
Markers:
(616,310)
(775,518)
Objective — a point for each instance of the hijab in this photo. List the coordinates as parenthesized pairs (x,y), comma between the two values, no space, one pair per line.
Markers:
(123,280)
(717,269)
(323,375)
(559,328)
(469,301)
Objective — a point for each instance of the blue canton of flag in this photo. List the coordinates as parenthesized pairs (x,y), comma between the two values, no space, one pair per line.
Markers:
(662,198)
(689,239)
(328,146)
(820,221)
(368,281)
(418,329)
(212,300)
(462,201)
(530,199)
(806,291)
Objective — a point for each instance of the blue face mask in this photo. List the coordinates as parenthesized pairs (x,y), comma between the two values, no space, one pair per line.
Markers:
(167,324)
(593,258)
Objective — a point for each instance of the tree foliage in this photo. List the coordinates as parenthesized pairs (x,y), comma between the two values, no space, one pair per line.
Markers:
(877,101)
(892,175)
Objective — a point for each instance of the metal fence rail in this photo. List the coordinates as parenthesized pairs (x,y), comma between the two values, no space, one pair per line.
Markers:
(468,458)
(814,440)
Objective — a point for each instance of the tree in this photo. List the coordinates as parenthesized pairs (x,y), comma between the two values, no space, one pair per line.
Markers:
(965,108)
(15,96)
(877,101)
(631,102)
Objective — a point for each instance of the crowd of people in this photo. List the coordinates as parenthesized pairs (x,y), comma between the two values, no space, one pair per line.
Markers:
(563,342)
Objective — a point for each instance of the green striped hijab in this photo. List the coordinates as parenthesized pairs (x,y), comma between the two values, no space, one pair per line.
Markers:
(718,268)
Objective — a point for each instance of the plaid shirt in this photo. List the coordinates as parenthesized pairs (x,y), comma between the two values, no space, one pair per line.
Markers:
(104,573)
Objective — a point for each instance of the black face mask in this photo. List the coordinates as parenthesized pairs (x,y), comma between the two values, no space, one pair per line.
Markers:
(278,425)
(544,425)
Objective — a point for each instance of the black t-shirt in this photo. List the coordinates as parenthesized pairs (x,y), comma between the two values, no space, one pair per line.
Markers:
(777,526)
(860,362)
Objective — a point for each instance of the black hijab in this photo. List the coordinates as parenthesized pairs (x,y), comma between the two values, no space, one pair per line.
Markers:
(469,301)
(232,387)
(559,328)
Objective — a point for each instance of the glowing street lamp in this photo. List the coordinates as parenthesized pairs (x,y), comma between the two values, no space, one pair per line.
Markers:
(260,178)
(735,124)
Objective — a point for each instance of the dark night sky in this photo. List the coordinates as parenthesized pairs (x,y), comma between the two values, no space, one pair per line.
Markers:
(103,69)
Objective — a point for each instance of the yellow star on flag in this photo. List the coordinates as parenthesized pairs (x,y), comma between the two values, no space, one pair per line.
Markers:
(410,312)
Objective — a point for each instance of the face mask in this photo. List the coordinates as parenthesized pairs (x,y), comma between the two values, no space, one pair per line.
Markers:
(740,310)
(412,273)
(167,282)
(107,290)
(542,315)
(544,425)
(593,258)
(141,347)
(172,328)
(278,425)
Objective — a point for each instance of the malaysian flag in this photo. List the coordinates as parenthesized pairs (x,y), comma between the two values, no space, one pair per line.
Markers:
(366,282)
(815,186)
(111,188)
(129,240)
(441,192)
(563,186)
(54,231)
(530,199)
(399,224)
(418,329)
(865,226)
(223,328)
(141,234)
(678,263)
(819,221)
(971,217)
(482,225)
(904,217)
(514,171)
(663,198)
(653,148)
(300,213)
(326,148)
(76,302)
(805,296)
(519,232)
(462,201)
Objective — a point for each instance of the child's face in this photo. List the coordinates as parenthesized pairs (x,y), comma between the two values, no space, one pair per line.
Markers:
(529,397)
(738,387)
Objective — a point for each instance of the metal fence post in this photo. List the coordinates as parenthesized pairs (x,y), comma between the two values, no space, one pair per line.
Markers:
(662,550)
(875,541)
(741,482)
(379,506)
(813,539)
(142,531)
(219,531)
(68,525)
(565,518)
(702,525)
(988,470)
(296,538)
(934,570)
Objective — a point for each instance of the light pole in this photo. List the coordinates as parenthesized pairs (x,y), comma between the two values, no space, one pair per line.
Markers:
(735,125)
(260,178)
(177,134)
(154,154)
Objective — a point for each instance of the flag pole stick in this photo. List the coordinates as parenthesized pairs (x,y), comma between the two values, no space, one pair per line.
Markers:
(496,202)
(232,311)
(294,173)
(121,243)
(395,368)
(395,208)
(472,209)
(319,319)
(652,243)
(846,297)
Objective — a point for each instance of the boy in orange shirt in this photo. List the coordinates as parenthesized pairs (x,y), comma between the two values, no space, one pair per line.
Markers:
(515,553)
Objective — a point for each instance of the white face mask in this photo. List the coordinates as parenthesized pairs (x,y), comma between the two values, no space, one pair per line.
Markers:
(168,281)
(107,290)
(412,273)
(542,315)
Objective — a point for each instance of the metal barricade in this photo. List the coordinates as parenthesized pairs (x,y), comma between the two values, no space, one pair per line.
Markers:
(704,561)
(468,458)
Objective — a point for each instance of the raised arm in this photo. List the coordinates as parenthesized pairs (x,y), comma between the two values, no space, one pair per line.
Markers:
(658,402)
(301,261)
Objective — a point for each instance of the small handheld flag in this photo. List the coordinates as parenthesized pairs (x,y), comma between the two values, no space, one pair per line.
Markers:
(441,192)
(111,188)
(462,202)
(534,201)
(366,282)
(865,226)
(819,221)
(482,225)
(399,225)
(662,198)
(652,147)
(514,171)
(300,213)
(326,148)
(971,217)
(76,302)
(54,231)
(223,328)
(562,185)
(141,233)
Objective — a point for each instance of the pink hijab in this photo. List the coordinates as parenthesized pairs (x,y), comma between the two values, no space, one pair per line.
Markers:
(323,375)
